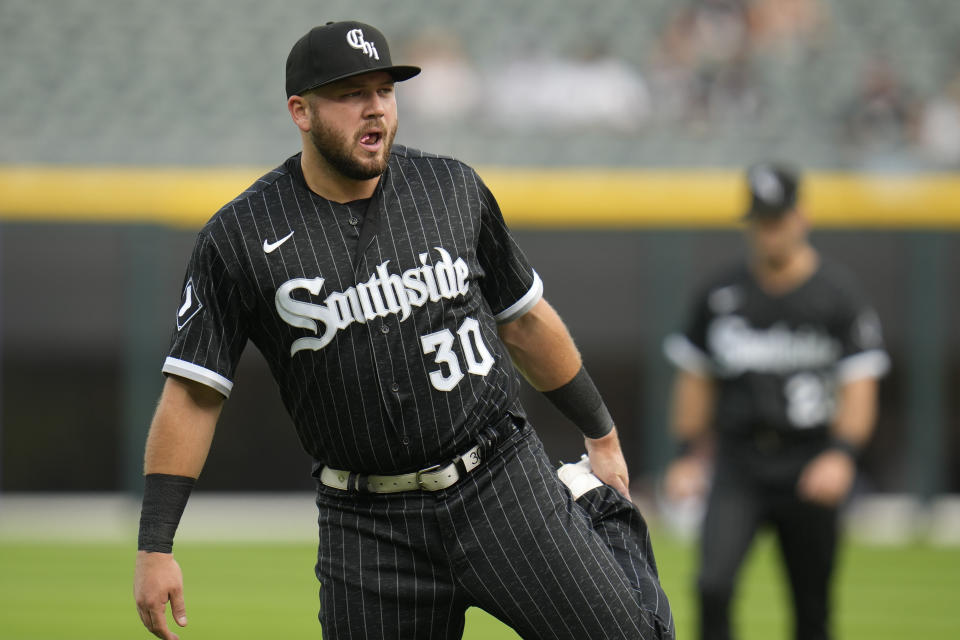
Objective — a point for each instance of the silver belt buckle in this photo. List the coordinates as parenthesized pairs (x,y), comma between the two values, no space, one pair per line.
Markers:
(420,474)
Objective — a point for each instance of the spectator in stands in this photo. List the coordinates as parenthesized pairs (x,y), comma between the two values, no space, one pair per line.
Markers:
(938,132)
(450,86)
(718,31)
(702,71)
(789,30)
(592,89)
(673,71)
(881,116)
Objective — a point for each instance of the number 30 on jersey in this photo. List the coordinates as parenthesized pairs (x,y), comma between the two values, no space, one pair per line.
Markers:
(475,354)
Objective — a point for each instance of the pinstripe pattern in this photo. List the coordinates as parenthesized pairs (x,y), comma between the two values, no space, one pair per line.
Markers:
(509,539)
(365,401)
(807,535)
(387,358)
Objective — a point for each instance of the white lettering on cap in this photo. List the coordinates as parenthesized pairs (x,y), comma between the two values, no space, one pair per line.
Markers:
(356,40)
(767,186)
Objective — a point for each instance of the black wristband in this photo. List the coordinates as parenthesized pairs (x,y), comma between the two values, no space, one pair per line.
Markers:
(580,401)
(845,446)
(164,499)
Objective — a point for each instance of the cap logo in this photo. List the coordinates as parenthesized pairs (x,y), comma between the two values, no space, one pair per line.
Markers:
(767,186)
(355,39)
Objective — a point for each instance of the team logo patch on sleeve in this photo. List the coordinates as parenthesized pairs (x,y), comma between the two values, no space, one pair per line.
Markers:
(190,305)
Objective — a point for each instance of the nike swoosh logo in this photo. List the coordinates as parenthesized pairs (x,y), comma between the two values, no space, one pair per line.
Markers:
(269,247)
(188,302)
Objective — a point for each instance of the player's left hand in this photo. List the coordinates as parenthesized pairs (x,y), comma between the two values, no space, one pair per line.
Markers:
(827,479)
(607,461)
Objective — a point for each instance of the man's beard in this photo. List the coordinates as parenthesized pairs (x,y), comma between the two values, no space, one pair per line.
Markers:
(336,150)
(776,261)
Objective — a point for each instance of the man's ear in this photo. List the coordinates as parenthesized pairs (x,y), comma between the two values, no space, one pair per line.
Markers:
(299,111)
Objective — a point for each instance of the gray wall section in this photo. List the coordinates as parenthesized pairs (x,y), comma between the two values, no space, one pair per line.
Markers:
(87,311)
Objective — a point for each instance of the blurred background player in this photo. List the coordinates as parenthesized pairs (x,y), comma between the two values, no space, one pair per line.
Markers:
(775,394)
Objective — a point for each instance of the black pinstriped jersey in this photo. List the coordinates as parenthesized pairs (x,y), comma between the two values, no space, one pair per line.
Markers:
(386,355)
(777,359)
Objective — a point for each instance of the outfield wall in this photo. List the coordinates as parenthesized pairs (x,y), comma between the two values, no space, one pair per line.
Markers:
(92,259)
(291,517)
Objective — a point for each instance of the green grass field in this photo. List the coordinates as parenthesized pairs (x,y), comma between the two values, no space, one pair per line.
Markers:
(83,592)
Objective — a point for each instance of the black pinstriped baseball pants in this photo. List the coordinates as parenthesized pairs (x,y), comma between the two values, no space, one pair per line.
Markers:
(807,534)
(508,539)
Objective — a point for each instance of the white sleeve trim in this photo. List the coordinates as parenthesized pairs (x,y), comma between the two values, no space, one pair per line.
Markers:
(524,304)
(199,374)
(685,355)
(867,364)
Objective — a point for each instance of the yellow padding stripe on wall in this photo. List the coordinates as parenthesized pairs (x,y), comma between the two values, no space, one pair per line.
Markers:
(539,198)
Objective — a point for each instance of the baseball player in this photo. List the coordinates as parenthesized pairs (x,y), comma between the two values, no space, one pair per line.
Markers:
(776,389)
(391,302)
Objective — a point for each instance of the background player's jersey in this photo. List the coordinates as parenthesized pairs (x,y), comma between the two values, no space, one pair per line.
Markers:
(384,345)
(777,360)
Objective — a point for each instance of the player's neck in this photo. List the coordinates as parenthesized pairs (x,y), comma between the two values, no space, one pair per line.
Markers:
(327,182)
(780,277)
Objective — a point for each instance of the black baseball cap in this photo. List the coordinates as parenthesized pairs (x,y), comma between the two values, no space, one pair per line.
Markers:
(339,50)
(773,190)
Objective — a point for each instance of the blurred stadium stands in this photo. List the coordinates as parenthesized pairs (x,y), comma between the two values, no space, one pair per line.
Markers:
(201,82)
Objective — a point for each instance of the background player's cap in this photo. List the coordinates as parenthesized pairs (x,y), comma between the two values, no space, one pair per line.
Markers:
(773,190)
(339,50)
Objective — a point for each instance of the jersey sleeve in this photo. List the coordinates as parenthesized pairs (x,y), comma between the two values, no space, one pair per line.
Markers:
(863,354)
(687,349)
(210,331)
(510,285)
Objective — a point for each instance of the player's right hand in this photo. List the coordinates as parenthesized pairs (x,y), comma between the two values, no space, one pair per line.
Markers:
(608,463)
(686,478)
(156,581)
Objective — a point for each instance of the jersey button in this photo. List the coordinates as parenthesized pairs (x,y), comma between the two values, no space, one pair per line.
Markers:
(354,220)
(384,329)
(394,387)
